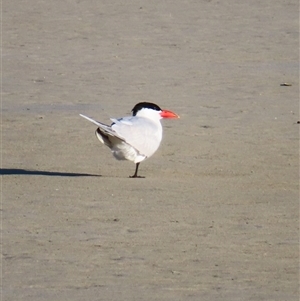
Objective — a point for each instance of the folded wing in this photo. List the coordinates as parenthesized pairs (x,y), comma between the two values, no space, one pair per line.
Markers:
(141,133)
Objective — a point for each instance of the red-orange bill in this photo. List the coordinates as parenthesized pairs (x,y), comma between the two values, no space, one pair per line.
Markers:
(168,114)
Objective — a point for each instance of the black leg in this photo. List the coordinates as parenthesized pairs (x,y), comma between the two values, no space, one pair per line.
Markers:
(136,171)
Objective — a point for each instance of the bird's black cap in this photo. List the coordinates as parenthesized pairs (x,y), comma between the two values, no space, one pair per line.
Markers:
(142,105)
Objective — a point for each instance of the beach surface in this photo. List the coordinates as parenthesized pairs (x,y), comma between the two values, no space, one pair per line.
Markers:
(216,217)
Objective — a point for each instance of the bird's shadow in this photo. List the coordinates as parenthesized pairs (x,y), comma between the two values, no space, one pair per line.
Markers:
(24,172)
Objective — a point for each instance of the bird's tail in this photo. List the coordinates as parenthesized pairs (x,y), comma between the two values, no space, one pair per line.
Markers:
(92,120)
(101,132)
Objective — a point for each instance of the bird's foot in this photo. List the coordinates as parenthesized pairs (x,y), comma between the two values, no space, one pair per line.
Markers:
(136,176)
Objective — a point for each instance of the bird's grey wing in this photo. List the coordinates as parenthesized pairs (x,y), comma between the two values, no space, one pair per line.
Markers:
(104,127)
(140,133)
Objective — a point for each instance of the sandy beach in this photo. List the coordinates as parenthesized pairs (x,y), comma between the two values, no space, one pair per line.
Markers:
(216,217)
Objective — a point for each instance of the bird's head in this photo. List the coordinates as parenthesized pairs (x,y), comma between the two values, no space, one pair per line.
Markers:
(152,111)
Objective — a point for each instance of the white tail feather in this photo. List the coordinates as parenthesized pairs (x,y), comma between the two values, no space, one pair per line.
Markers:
(91,120)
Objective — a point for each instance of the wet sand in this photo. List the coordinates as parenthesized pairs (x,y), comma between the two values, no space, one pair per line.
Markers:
(217,216)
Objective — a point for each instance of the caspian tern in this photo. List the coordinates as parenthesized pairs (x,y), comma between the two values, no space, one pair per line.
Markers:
(134,138)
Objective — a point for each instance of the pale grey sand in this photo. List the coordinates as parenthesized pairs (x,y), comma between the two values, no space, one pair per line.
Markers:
(217,216)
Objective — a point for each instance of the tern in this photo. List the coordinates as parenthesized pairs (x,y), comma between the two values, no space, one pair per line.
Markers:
(134,138)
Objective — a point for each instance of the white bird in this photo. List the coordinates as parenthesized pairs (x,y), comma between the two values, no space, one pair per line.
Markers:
(134,138)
